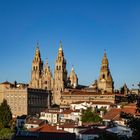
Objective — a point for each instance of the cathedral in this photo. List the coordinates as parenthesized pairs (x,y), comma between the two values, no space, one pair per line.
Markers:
(42,78)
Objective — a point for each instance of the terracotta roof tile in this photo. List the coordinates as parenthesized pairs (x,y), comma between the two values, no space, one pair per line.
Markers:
(115,112)
(111,114)
(35,121)
(47,128)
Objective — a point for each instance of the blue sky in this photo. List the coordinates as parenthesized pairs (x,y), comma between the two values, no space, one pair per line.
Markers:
(86,28)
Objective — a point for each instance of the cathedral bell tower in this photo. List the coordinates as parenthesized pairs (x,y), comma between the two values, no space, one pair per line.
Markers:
(47,77)
(60,75)
(105,81)
(37,67)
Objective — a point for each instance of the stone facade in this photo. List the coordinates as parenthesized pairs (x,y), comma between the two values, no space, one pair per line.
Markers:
(73,78)
(37,67)
(60,76)
(70,96)
(105,81)
(23,100)
(42,77)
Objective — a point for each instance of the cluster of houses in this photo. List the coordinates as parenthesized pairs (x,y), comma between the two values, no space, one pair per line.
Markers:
(66,124)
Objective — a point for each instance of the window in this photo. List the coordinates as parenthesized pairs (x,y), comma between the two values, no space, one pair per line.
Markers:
(56,67)
(34,68)
(59,67)
(103,76)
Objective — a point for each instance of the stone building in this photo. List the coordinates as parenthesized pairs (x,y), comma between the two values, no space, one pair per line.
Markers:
(72,96)
(42,78)
(24,100)
(60,76)
(73,78)
(37,67)
(105,81)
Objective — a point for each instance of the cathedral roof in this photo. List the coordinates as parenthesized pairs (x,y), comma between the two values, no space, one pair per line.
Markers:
(84,92)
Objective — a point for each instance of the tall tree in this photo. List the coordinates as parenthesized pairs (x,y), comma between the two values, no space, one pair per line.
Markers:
(90,116)
(5,114)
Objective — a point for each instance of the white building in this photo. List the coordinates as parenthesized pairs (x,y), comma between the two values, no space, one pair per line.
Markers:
(51,115)
(85,105)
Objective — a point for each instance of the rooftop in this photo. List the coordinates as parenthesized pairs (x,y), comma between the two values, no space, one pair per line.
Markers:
(47,128)
(114,113)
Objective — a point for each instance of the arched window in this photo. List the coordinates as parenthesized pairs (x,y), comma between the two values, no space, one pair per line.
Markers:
(56,67)
(33,67)
(103,76)
(59,67)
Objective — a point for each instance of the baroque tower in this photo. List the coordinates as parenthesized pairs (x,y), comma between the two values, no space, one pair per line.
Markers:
(73,78)
(60,76)
(37,67)
(105,81)
(47,80)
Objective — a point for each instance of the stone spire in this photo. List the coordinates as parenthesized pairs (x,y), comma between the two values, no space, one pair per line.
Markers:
(47,67)
(105,82)
(47,77)
(37,53)
(37,68)
(73,78)
(105,61)
(60,75)
(60,51)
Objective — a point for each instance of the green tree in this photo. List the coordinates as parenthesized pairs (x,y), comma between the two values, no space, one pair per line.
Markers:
(5,133)
(133,123)
(5,114)
(90,116)
(1,125)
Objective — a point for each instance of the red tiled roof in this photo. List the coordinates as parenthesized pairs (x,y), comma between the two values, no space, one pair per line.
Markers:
(34,121)
(55,111)
(111,114)
(68,111)
(47,128)
(115,112)
(68,125)
(131,105)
